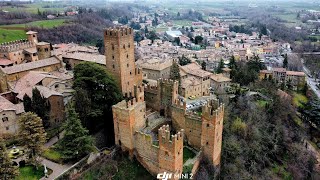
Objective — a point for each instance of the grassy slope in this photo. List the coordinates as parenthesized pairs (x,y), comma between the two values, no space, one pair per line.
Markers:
(32,8)
(11,35)
(43,23)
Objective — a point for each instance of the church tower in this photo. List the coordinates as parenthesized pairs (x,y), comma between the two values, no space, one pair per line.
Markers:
(120,60)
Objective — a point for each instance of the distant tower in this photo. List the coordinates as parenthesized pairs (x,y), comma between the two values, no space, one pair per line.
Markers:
(32,36)
(120,61)
(44,50)
(212,127)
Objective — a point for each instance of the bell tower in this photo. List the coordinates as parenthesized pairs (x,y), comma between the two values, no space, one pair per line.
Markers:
(120,61)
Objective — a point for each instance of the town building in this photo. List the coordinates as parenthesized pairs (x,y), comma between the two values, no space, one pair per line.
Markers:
(155,68)
(292,79)
(9,114)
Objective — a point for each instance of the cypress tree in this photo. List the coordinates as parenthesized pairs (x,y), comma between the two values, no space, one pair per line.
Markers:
(33,135)
(76,142)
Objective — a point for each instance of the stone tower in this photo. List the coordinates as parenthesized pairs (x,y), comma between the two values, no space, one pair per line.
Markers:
(129,117)
(32,36)
(170,150)
(44,50)
(120,61)
(212,127)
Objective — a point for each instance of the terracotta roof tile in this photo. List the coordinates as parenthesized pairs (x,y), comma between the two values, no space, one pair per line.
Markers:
(30,65)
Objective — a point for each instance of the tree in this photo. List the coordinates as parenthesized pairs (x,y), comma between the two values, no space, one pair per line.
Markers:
(32,134)
(220,66)
(178,14)
(232,63)
(102,91)
(285,61)
(76,142)
(184,60)
(198,39)
(146,30)
(175,71)
(27,103)
(177,40)
(39,13)
(191,29)
(204,65)
(40,106)
(7,170)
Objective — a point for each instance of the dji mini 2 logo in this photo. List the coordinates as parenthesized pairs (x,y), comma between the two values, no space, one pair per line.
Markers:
(167,176)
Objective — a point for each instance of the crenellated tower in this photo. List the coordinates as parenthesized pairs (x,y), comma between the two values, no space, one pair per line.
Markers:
(128,117)
(170,150)
(212,127)
(120,60)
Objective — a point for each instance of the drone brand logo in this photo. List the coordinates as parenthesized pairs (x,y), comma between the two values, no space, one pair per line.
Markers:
(167,176)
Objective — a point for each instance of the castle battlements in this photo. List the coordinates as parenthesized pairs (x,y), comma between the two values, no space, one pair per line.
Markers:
(167,82)
(144,136)
(212,110)
(119,31)
(16,45)
(165,138)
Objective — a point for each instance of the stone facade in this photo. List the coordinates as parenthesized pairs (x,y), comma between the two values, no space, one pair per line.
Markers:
(142,121)
(120,61)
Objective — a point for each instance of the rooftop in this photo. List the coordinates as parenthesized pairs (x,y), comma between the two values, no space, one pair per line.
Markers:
(31,79)
(195,69)
(30,65)
(45,92)
(220,78)
(295,73)
(190,81)
(97,58)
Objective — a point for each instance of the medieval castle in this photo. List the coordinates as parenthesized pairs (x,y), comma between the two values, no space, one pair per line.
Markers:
(144,122)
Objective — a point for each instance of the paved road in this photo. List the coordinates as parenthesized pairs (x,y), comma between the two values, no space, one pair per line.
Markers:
(311,82)
(56,168)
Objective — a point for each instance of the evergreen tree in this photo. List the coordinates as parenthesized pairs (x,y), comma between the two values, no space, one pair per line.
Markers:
(285,61)
(203,65)
(7,170)
(220,67)
(27,103)
(191,29)
(232,63)
(76,142)
(146,31)
(175,71)
(178,14)
(32,134)
(83,107)
(102,93)
(40,107)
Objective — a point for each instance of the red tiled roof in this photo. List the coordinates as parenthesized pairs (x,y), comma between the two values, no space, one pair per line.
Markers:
(5,62)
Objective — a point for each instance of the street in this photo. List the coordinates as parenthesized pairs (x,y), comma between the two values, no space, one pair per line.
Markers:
(311,82)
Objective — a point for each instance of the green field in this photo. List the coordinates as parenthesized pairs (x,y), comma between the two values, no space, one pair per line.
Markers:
(33,8)
(42,24)
(11,35)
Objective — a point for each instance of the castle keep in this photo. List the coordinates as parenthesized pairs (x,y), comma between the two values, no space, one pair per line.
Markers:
(152,124)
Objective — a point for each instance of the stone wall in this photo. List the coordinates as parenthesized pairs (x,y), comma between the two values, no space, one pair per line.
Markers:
(193,130)
(8,122)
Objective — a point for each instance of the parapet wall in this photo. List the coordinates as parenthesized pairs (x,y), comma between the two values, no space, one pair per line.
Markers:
(118,31)
(16,45)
